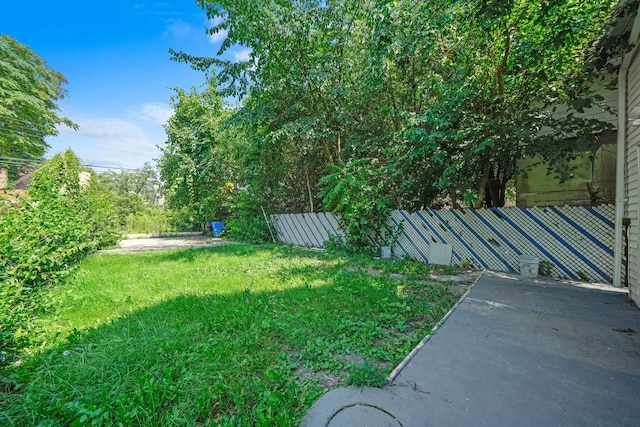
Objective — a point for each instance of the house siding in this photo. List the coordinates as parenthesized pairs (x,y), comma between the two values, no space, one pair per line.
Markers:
(539,188)
(632,180)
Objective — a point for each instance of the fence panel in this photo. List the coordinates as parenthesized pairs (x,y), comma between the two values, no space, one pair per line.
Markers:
(578,240)
(306,229)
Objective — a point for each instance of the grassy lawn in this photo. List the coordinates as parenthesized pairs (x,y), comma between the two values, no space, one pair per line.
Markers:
(231,335)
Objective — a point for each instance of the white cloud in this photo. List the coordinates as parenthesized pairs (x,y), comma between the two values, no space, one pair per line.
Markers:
(179,29)
(220,35)
(108,142)
(157,112)
(103,128)
(242,55)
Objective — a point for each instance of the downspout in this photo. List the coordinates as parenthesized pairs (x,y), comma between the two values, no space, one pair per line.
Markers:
(620,163)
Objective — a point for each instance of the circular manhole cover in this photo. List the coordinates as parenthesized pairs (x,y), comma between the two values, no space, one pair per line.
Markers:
(363,415)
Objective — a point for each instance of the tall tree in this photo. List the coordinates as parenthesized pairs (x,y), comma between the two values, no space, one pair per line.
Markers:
(29,89)
(298,84)
(197,165)
(142,182)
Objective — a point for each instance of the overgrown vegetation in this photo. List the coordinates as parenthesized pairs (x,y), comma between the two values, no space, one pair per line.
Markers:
(41,239)
(137,195)
(362,107)
(232,335)
(353,107)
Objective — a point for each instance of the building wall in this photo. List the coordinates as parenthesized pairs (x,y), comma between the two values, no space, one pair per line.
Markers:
(632,179)
(605,111)
(538,188)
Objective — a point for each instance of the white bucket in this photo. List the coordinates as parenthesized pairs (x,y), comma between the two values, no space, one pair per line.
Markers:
(529,265)
(386,252)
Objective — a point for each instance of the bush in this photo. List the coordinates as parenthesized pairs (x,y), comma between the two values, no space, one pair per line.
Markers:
(153,219)
(364,208)
(247,222)
(41,239)
(247,229)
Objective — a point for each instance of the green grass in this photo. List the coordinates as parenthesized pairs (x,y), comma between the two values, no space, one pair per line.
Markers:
(408,267)
(232,335)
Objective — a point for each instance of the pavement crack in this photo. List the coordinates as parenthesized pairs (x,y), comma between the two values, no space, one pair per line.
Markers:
(624,330)
(418,389)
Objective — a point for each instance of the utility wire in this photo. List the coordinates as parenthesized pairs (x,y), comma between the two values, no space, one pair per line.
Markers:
(20,159)
(25,162)
(59,140)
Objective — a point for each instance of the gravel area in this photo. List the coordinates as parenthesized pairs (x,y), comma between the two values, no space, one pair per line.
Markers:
(142,244)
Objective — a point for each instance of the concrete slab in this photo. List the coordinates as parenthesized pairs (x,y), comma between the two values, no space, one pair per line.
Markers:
(516,351)
(165,243)
(440,253)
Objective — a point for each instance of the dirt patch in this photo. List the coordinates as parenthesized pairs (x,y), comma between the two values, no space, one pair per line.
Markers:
(326,380)
(457,284)
(331,380)
(165,243)
(455,287)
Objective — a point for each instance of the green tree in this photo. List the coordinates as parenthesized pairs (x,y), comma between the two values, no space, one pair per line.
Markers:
(299,110)
(142,184)
(495,74)
(41,239)
(197,166)
(29,89)
(406,100)
(135,195)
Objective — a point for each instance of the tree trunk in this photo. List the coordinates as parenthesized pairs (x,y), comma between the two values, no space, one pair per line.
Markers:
(482,187)
(496,187)
(453,196)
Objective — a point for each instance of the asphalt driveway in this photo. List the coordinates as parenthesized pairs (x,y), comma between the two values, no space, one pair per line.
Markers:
(515,352)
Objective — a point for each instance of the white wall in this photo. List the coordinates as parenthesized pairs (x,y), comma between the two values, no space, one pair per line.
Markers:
(632,179)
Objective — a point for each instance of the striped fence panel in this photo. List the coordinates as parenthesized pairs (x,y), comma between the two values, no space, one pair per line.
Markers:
(306,229)
(578,240)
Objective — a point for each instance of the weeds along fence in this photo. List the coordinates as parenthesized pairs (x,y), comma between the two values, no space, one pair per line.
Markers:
(577,240)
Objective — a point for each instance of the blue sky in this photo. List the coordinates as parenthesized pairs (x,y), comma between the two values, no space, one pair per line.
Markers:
(115,56)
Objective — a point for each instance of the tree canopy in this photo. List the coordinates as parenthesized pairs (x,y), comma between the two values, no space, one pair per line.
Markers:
(29,90)
(364,106)
(197,163)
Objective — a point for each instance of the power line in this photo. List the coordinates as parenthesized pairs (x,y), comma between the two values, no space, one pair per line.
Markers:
(103,147)
(109,167)
(58,138)
(31,123)
(24,162)
(12,163)
(9,132)
(20,159)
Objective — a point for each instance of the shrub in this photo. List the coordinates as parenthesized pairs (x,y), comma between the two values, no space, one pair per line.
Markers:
(153,219)
(364,208)
(247,222)
(41,239)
